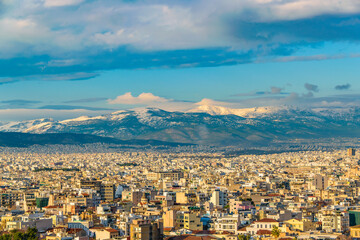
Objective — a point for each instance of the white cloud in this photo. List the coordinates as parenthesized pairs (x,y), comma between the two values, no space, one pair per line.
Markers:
(154,26)
(20,33)
(147,25)
(291,10)
(72,36)
(143,98)
(60,3)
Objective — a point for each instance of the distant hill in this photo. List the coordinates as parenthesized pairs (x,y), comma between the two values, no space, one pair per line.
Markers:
(206,125)
(14,139)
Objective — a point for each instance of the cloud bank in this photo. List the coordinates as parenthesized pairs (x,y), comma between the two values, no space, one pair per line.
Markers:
(77,39)
(143,98)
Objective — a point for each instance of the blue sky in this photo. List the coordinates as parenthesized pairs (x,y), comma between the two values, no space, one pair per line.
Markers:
(65,58)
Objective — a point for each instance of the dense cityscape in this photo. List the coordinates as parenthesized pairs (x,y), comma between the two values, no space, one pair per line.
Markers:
(162,195)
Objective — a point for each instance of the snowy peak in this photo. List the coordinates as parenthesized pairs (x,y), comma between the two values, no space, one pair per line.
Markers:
(82,119)
(23,125)
(242,112)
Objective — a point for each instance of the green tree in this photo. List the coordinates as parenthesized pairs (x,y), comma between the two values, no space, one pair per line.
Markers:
(275,232)
(244,237)
(30,234)
(18,236)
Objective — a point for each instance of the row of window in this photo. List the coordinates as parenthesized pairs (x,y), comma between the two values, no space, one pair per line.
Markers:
(265,226)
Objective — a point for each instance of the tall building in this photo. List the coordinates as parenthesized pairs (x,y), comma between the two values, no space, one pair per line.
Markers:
(29,202)
(108,192)
(132,196)
(91,184)
(169,217)
(351,152)
(228,223)
(9,198)
(354,217)
(334,221)
(186,198)
(188,220)
(42,202)
(320,182)
(172,175)
(219,198)
(146,230)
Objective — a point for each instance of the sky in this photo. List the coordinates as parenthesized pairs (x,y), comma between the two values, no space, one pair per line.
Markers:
(67,58)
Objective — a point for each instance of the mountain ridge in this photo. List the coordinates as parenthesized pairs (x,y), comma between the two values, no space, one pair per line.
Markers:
(206,125)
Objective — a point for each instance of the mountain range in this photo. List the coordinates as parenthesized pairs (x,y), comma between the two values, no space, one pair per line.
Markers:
(207,125)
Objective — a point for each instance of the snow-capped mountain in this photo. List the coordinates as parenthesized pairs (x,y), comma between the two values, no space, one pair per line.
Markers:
(242,112)
(23,126)
(206,125)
